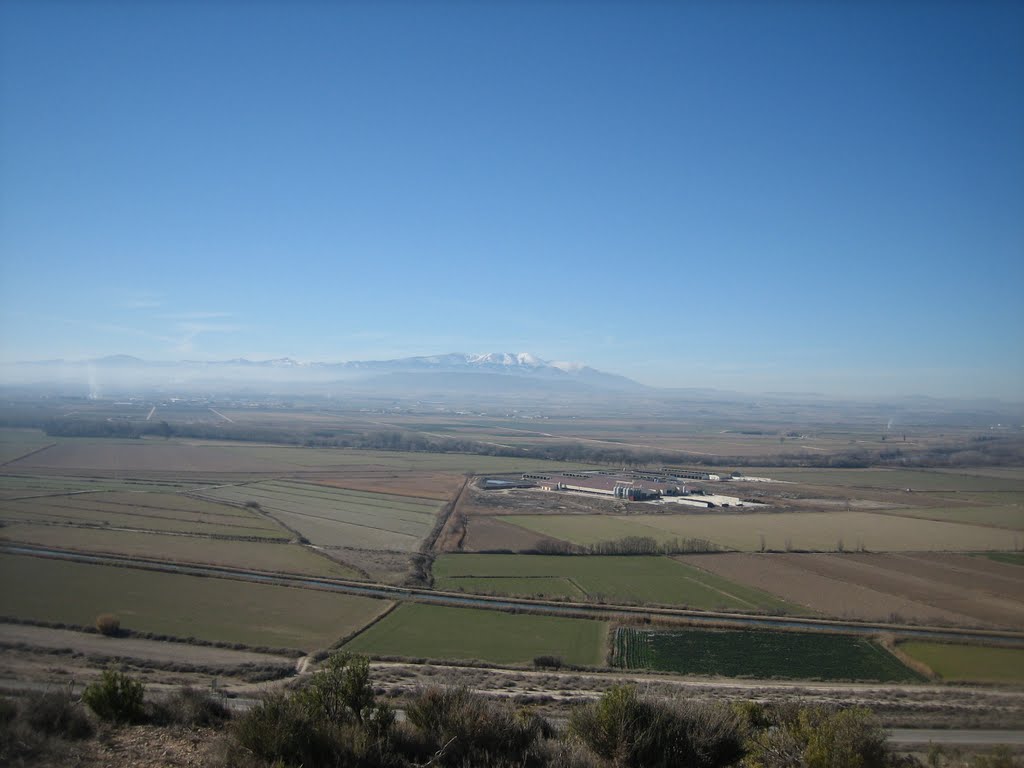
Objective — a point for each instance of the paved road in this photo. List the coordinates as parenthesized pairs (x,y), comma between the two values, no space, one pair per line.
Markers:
(390,592)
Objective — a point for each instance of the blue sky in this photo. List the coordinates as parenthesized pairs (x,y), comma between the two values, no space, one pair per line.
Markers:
(767,196)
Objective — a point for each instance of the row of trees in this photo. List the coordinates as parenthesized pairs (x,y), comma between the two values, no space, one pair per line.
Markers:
(985,450)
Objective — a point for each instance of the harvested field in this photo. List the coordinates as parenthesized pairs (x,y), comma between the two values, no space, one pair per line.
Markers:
(336,517)
(423,485)
(969,663)
(493,534)
(636,579)
(437,632)
(116,457)
(144,511)
(924,588)
(15,443)
(893,479)
(809,531)
(180,605)
(159,651)
(758,653)
(282,557)
(1008,516)
(48,485)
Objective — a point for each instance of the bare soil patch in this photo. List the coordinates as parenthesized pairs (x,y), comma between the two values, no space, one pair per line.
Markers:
(422,485)
(484,534)
(869,587)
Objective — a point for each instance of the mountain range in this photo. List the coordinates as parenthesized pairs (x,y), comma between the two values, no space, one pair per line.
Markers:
(505,371)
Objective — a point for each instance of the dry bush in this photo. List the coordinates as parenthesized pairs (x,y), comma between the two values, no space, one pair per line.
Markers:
(108,624)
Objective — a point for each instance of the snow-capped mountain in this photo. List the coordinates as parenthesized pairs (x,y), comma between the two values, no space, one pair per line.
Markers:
(457,370)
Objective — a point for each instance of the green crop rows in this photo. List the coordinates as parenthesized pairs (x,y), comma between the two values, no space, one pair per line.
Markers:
(757,653)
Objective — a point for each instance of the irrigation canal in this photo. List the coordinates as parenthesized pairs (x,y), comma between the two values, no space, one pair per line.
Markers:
(525,605)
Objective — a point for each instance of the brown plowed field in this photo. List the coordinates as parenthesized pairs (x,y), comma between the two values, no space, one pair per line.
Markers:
(421,485)
(487,533)
(929,588)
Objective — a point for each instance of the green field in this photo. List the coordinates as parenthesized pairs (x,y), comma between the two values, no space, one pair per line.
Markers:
(182,606)
(743,532)
(438,632)
(1010,558)
(757,654)
(338,517)
(282,557)
(969,663)
(39,485)
(640,579)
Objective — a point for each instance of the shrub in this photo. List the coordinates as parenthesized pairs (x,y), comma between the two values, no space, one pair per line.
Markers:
(550,662)
(108,624)
(279,730)
(341,691)
(467,729)
(190,707)
(116,697)
(55,713)
(634,731)
(819,738)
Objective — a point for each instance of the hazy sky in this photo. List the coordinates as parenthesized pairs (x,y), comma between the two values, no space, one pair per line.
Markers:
(799,196)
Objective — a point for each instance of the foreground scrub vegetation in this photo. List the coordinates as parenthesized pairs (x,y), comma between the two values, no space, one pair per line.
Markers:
(336,720)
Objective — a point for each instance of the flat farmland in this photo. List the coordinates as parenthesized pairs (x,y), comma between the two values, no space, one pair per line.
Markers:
(893,479)
(810,531)
(927,588)
(438,632)
(179,605)
(969,663)
(638,579)
(142,456)
(758,654)
(43,485)
(338,517)
(281,557)
(15,443)
(439,486)
(144,511)
(1009,516)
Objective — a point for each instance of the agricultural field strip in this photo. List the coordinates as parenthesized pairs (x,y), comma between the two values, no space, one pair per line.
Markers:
(413,512)
(968,663)
(655,579)
(77,510)
(338,509)
(1010,517)
(815,531)
(392,592)
(144,524)
(343,517)
(182,605)
(57,483)
(757,653)
(329,490)
(118,509)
